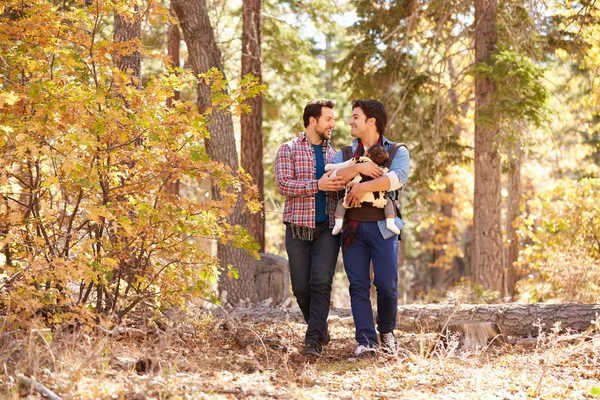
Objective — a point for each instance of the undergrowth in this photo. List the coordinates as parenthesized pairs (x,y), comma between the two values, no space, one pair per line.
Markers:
(222,356)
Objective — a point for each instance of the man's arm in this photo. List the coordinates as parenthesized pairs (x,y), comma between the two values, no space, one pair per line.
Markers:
(288,186)
(399,168)
(369,169)
(394,179)
(333,166)
(346,164)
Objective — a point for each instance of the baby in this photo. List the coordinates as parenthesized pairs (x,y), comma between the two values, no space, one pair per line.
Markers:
(380,199)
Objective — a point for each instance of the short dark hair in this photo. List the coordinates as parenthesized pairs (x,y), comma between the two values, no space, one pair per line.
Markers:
(373,109)
(378,154)
(313,109)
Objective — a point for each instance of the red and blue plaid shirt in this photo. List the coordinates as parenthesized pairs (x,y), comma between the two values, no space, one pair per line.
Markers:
(295,173)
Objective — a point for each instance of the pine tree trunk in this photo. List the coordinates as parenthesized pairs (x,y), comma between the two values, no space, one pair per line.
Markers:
(251,124)
(512,215)
(487,237)
(511,319)
(204,54)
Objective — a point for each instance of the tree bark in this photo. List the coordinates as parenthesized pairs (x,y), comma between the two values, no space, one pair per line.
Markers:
(272,278)
(173,46)
(512,214)
(129,30)
(487,237)
(204,54)
(173,39)
(251,123)
(511,319)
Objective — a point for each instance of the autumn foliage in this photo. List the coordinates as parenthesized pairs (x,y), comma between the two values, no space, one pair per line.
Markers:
(563,232)
(86,225)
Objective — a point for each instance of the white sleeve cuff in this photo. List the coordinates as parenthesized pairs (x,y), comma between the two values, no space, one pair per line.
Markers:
(395,183)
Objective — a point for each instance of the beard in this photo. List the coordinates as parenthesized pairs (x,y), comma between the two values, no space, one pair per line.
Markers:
(324,134)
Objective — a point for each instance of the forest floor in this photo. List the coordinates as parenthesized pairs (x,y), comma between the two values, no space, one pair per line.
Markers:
(255,353)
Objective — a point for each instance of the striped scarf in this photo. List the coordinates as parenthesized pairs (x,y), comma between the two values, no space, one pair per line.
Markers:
(306,233)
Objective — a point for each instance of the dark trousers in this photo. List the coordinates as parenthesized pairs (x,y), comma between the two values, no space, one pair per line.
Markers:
(312,266)
(370,245)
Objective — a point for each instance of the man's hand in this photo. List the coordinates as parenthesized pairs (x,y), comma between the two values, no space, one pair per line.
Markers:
(355,194)
(328,183)
(370,169)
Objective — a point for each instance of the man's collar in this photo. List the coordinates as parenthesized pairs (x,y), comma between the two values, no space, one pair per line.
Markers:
(384,140)
(304,138)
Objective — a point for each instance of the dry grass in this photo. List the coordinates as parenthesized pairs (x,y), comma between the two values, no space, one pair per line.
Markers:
(258,357)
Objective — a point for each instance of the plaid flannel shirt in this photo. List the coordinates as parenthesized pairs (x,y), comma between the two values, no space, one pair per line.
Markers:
(295,172)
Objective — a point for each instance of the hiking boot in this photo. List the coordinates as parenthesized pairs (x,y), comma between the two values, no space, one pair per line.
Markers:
(311,350)
(388,343)
(326,339)
(364,352)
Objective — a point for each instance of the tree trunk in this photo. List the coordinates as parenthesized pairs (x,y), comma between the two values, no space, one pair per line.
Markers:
(251,123)
(129,30)
(173,38)
(512,214)
(272,278)
(487,237)
(204,54)
(511,319)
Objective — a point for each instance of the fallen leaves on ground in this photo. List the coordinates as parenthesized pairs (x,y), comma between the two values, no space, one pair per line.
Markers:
(258,355)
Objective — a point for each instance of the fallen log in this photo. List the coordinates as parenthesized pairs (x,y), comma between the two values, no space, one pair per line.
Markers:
(511,319)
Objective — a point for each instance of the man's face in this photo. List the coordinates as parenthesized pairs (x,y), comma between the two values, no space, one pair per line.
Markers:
(325,123)
(358,123)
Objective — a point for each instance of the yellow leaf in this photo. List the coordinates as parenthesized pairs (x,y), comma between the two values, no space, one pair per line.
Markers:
(109,262)
(9,98)
(562,54)
(14,218)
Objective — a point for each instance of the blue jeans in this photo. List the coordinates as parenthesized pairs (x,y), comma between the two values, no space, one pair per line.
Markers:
(312,266)
(370,245)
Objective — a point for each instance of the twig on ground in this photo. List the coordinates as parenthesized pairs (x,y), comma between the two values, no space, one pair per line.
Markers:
(31,383)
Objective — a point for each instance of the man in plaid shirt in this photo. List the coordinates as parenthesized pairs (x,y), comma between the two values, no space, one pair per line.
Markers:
(310,200)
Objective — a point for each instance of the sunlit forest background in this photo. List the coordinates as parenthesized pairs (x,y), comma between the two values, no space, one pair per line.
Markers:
(121,173)
(417,57)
